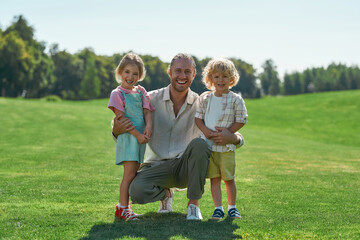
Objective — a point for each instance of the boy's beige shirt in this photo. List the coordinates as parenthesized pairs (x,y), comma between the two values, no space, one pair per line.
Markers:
(233,110)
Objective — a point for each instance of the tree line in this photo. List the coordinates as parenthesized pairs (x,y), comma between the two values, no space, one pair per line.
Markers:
(28,70)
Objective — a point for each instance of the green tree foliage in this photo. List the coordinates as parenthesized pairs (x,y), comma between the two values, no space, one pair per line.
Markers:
(354,77)
(308,82)
(334,77)
(43,77)
(297,84)
(90,83)
(269,78)
(197,85)
(68,69)
(105,67)
(246,85)
(156,73)
(22,28)
(15,64)
(25,67)
(288,85)
(343,82)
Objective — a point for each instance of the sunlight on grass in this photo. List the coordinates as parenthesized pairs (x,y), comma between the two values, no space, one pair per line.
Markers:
(298,175)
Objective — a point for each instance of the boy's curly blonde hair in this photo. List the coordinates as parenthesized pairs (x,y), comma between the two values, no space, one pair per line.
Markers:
(130,58)
(220,65)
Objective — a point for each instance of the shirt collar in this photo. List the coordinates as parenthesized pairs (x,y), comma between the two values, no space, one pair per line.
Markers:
(167,93)
(222,95)
(190,97)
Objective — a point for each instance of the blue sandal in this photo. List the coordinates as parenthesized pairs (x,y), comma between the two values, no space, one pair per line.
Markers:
(217,215)
(234,213)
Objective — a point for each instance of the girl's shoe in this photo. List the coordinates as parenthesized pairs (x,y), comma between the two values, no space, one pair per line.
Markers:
(125,213)
(234,213)
(217,215)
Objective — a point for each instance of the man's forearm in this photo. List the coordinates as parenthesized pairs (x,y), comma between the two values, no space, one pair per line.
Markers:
(239,140)
(121,125)
(114,137)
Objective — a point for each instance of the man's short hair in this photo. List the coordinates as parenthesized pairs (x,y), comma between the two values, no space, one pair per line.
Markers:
(182,56)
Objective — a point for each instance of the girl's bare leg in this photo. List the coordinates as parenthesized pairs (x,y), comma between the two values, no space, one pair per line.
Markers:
(130,169)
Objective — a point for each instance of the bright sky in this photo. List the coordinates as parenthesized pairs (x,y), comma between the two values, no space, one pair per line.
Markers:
(295,34)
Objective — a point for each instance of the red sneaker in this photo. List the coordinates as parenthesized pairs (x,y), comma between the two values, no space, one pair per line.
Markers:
(125,213)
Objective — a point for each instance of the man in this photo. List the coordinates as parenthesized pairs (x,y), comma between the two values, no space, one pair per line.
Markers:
(175,156)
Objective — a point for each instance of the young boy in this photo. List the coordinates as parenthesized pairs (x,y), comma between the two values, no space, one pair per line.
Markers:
(221,108)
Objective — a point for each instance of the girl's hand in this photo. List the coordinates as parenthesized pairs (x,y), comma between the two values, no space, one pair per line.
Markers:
(148,131)
(142,139)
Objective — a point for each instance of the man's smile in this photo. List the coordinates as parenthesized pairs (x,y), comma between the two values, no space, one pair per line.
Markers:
(181,81)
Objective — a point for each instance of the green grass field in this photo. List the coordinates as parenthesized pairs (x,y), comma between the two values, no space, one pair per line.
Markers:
(298,175)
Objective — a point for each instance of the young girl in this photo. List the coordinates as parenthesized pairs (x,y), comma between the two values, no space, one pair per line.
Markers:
(130,101)
(221,108)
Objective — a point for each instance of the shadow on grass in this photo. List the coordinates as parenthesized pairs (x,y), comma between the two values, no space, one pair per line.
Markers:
(153,226)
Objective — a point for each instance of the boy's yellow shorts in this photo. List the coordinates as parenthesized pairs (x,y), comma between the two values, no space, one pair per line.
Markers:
(222,164)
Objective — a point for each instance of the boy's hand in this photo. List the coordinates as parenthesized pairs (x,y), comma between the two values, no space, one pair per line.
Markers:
(208,133)
(224,136)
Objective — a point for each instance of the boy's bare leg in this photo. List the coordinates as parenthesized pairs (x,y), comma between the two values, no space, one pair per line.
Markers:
(216,191)
(231,191)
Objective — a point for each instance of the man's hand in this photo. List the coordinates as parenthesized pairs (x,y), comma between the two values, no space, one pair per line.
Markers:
(224,136)
(121,125)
